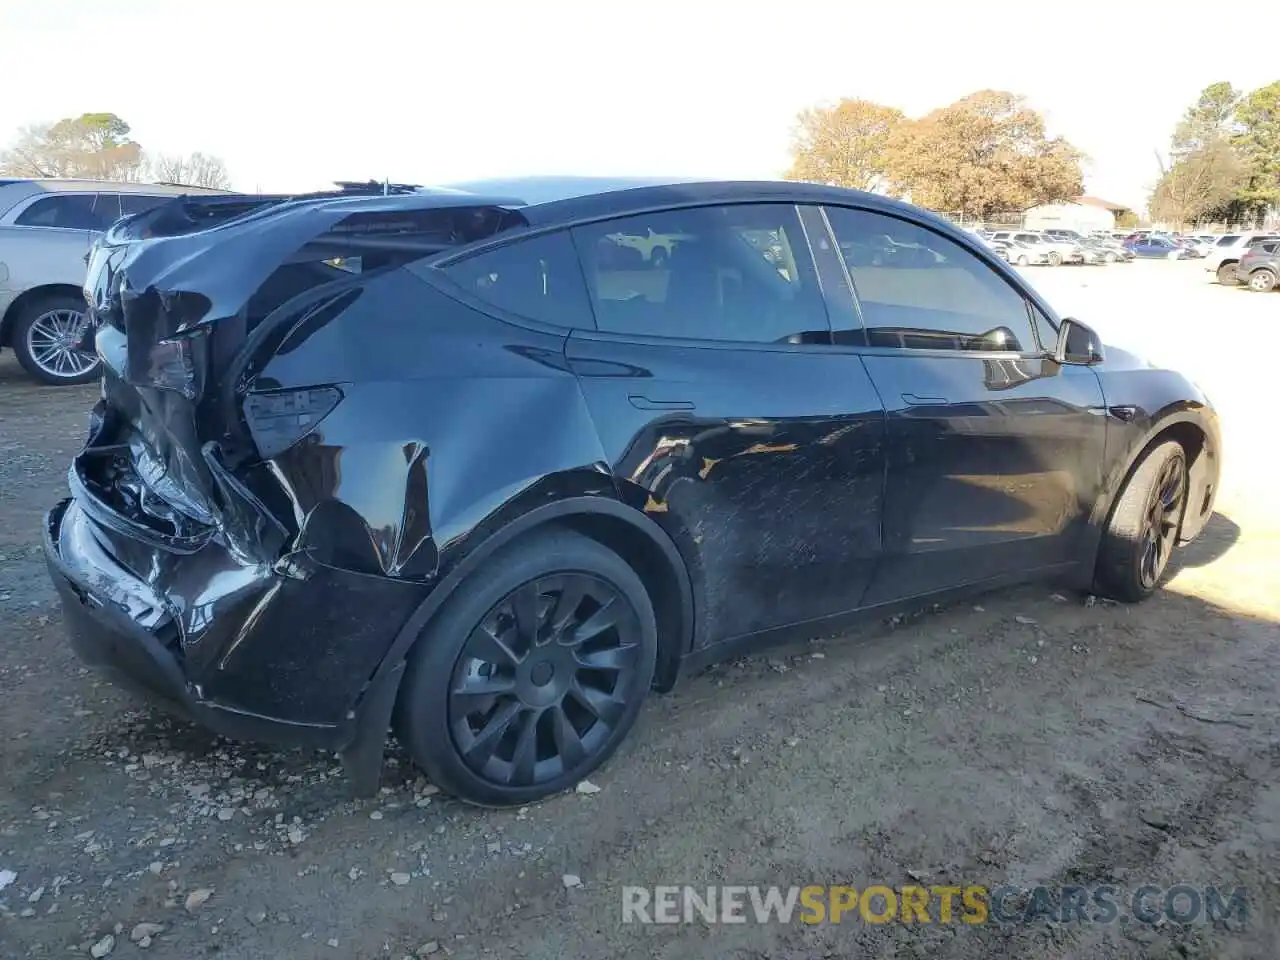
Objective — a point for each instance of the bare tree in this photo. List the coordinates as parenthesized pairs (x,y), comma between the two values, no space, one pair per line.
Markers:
(194,170)
(1196,183)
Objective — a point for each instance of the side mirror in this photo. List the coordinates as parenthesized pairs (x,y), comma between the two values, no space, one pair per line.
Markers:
(1077,344)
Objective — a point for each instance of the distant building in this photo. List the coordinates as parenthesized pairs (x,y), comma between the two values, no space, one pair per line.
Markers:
(1086,213)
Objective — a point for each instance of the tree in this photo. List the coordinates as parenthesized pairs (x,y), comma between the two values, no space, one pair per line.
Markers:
(1209,118)
(1258,141)
(194,170)
(842,145)
(1197,183)
(985,153)
(95,146)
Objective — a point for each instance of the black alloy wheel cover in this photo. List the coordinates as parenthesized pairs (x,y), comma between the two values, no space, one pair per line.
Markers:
(543,678)
(1161,520)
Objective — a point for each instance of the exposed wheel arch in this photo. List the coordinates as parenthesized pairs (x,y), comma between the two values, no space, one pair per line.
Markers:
(1195,444)
(627,532)
(27,297)
(623,529)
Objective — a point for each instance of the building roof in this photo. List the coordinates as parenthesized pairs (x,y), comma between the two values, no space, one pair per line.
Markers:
(1104,204)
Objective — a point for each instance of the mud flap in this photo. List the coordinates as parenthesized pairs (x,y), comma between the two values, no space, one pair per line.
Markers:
(362,757)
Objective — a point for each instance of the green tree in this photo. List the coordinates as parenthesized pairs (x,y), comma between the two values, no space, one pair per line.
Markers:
(1257,139)
(93,145)
(1210,117)
(984,154)
(842,145)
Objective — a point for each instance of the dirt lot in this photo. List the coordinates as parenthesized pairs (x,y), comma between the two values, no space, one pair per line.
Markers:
(1023,738)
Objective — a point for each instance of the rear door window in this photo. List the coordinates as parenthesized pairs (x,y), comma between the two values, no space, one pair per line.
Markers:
(538,278)
(738,273)
(68,211)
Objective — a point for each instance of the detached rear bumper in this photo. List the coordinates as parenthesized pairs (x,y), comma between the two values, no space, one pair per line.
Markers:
(124,628)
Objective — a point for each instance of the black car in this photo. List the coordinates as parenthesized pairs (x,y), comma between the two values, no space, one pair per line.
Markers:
(1259,268)
(468,464)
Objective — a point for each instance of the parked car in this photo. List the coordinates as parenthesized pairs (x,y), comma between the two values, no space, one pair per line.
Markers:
(1196,248)
(1113,252)
(46,227)
(1056,251)
(490,490)
(1020,253)
(1158,248)
(1095,253)
(654,248)
(1221,263)
(1260,266)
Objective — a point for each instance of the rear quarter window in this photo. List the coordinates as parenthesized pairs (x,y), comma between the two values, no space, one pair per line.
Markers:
(539,278)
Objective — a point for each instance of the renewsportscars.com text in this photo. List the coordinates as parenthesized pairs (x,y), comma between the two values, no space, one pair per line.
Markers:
(969,904)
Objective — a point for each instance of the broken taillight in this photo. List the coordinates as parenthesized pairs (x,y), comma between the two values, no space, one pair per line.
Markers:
(279,419)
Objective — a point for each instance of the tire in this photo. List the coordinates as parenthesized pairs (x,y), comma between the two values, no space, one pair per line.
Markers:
(504,741)
(1227,274)
(1023,260)
(1109,256)
(1262,281)
(45,318)
(1055,258)
(1144,525)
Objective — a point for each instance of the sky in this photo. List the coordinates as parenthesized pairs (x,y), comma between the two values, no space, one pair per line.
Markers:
(294,94)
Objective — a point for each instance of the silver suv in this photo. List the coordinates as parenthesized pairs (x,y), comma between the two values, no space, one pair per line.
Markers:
(46,227)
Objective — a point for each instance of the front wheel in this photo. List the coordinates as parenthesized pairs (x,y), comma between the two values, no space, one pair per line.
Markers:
(1262,281)
(1109,257)
(1144,525)
(1227,275)
(46,339)
(1023,260)
(532,674)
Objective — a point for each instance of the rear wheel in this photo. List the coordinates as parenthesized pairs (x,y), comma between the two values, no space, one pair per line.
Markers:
(1227,274)
(1262,281)
(532,674)
(46,336)
(1143,530)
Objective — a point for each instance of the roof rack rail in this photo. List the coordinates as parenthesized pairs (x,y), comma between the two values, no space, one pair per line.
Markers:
(376,187)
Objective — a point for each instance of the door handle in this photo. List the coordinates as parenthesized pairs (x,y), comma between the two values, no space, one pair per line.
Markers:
(915,401)
(644,403)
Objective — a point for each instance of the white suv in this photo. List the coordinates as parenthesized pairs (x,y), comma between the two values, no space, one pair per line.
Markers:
(1057,250)
(46,228)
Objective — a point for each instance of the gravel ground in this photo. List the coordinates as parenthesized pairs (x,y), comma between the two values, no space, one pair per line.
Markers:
(1028,737)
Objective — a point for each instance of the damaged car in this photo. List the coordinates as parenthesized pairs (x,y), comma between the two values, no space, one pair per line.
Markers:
(459,464)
